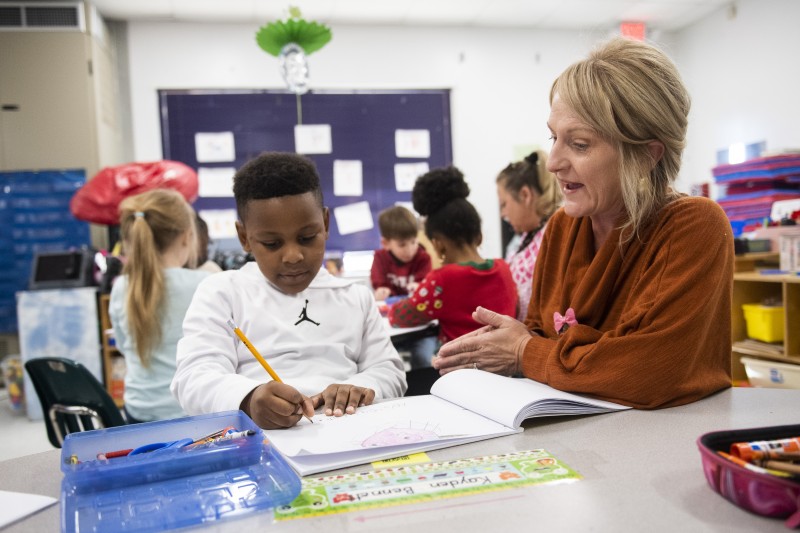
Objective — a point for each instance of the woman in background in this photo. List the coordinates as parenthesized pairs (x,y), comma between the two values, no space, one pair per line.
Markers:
(528,196)
(149,301)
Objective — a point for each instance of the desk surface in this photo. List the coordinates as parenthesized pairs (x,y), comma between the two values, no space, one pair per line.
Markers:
(431,329)
(641,472)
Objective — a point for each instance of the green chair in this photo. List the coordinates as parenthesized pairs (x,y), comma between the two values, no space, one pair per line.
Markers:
(72,399)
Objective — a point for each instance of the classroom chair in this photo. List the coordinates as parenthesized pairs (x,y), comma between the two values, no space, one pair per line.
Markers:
(72,399)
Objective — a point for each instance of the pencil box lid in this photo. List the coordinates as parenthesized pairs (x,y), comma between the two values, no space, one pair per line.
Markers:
(170,487)
(759,493)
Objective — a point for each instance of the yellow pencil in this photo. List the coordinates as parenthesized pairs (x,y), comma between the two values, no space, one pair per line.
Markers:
(257,355)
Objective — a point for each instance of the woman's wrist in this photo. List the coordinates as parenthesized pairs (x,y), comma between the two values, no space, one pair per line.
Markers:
(519,351)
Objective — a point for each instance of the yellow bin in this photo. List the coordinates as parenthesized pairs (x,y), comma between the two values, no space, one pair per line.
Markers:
(764,323)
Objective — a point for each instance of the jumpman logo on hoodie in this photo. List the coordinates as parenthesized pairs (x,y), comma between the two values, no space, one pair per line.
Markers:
(304,316)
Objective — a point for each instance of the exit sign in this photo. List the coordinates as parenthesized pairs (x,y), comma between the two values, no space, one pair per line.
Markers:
(633,30)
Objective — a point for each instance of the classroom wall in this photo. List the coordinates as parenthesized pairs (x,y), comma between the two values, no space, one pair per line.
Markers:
(500,78)
(743,73)
(500,81)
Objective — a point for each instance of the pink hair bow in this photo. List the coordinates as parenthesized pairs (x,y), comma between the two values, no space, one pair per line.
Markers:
(562,323)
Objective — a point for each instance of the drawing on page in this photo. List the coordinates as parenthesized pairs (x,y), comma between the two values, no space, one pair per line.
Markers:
(401,434)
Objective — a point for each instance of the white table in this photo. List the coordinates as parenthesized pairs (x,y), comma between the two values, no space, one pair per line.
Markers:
(641,472)
(414,332)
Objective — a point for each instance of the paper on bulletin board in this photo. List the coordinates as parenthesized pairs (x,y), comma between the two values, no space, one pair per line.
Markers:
(348,178)
(409,206)
(215,182)
(406,174)
(353,218)
(412,143)
(221,223)
(214,147)
(313,139)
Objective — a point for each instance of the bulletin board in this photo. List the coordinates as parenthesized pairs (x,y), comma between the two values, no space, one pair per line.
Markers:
(369,147)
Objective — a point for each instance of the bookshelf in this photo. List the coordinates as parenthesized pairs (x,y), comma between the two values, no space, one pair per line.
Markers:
(113,361)
(754,287)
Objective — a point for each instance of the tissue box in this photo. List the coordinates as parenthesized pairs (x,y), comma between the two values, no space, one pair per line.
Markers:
(170,487)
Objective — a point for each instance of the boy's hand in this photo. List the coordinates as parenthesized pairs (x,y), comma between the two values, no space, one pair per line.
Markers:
(381,293)
(339,399)
(276,405)
(412,287)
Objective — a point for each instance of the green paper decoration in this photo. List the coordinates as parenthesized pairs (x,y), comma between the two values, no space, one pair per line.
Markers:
(309,36)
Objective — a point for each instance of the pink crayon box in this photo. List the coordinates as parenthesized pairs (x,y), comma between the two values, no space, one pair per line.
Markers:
(760,493)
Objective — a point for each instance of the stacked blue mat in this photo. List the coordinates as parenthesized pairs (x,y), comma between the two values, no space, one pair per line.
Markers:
(753,186)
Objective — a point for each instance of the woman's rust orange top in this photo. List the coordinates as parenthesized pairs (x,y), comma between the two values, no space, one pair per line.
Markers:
(652,319)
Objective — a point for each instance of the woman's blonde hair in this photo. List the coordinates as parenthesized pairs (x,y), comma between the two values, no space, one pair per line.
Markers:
(150,223)
(631,93)
(532,172)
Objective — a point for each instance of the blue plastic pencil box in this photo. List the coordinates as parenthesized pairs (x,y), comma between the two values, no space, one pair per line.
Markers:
(170,487)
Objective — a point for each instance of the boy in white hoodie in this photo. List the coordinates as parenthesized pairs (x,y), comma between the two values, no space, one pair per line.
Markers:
(322,335)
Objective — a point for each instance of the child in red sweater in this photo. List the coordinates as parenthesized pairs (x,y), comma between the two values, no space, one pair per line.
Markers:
(466,280)
(401,263)
(397,269)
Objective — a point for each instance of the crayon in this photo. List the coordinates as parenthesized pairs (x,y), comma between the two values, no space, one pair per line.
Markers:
(783,466)
(116,453)
(73,459)
(745,450)
(752,467)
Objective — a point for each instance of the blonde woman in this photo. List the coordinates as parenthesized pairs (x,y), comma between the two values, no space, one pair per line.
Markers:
(149,301)
(631,298)
(528,196)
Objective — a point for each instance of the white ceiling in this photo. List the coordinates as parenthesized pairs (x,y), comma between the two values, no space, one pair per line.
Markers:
(551,14)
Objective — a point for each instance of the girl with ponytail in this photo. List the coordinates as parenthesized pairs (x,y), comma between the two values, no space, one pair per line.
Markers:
(148,302)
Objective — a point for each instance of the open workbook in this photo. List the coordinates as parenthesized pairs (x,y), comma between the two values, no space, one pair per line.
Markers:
(464,406)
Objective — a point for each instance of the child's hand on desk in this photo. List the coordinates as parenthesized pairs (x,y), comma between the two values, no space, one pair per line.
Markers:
(381,293)
(340,398)
(276,405)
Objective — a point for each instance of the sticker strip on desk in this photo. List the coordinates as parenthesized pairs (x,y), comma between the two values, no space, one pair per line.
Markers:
(424,482)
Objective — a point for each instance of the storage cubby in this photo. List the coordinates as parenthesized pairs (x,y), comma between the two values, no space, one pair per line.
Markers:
(754,287)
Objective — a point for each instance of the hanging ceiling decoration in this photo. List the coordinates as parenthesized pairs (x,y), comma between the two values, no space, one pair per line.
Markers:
(291,40)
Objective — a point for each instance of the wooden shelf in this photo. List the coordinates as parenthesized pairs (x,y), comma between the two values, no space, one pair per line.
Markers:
(754,287)
(112,358)
(759,276)
(752,261)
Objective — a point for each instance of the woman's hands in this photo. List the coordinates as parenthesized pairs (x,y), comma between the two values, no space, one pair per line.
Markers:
(340,398)
(496,347)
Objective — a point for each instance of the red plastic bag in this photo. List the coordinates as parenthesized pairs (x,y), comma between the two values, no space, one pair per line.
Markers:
(98,200)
